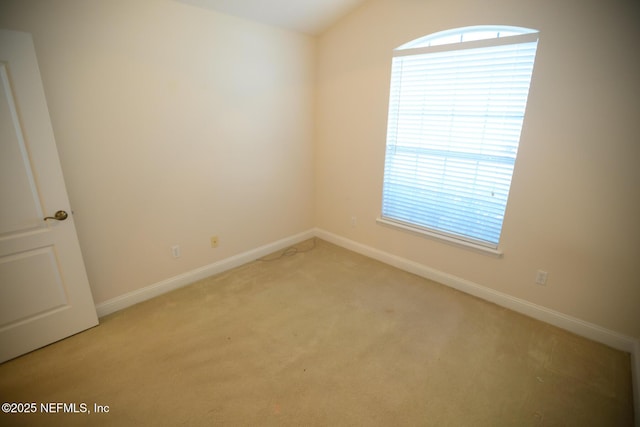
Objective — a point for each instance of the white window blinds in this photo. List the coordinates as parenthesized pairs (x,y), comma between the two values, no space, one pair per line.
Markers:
(455,117)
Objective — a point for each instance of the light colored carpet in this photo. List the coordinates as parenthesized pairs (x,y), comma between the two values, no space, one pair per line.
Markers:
(323,337)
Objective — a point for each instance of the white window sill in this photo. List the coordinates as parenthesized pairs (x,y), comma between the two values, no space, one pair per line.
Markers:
(441,237)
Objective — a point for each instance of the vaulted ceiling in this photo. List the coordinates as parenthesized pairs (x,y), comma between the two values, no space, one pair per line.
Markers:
(305,16)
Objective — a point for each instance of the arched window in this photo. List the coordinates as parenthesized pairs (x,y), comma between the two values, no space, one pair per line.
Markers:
(456,108)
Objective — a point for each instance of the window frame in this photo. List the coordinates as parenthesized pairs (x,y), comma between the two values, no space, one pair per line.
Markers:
(422,45)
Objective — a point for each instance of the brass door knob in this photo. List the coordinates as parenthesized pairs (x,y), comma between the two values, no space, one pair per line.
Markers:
(60,216)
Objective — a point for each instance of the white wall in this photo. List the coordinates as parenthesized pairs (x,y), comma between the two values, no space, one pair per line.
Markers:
(173,124)
(574,208)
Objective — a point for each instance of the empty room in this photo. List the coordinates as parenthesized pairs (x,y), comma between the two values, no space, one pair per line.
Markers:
(320,212)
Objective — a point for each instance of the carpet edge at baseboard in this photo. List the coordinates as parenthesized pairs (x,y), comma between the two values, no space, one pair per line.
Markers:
(139,295)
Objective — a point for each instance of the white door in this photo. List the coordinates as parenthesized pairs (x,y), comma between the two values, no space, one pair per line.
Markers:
(44,291)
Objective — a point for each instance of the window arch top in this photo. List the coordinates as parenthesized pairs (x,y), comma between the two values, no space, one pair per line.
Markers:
(466,34)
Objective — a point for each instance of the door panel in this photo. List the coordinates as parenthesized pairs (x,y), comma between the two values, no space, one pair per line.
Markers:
(20,207)
(37,286)
(44,290)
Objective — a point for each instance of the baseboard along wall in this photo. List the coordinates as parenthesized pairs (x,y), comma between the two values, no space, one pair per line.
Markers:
(569,323)
(176,282)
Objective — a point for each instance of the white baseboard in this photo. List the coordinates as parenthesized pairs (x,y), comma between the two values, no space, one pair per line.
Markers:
(577,326)
(569,323)
(148,292)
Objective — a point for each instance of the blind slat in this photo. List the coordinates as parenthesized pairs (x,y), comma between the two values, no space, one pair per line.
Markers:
(454,124)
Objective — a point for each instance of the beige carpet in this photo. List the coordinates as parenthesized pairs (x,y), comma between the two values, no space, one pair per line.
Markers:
(322,337)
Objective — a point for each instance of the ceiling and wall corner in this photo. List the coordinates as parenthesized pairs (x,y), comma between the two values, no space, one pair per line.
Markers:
(307,16)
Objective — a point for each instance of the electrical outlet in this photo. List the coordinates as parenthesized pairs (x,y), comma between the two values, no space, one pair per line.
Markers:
(176,251)
(541,277)
(354,222)
(214,241)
